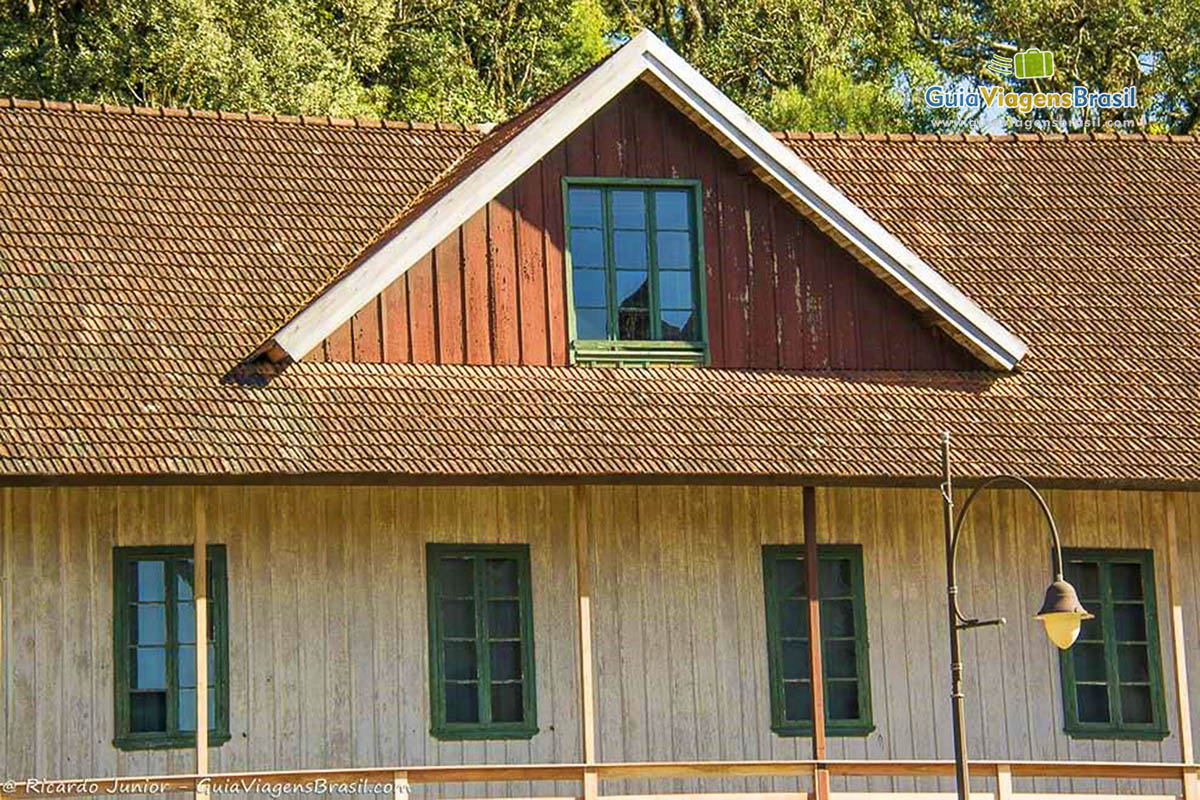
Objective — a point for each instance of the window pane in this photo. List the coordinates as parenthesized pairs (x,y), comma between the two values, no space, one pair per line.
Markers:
(458,577)
(186,666)
(839,658)
(835,577)
(795,659)
(633,289)
(1130,622)
(504,619)
(671,209)
(458,619)
(789,577)
(186,711)
(1126,581)
(587,248)
(584,205)
(793,618)
(674,250)
(148,712)
(149,668)
(837,617)
(629,250)
(633,324)
(460,661)
(842,700)
(183,580)
(1089,662)
(502,577)
(507,702)
(1093,702)
(506,661)
(679,326)
(462,702)
(150,624)
(149,581)
(1135,704)
(1092,630)
(591,323)
(797,701)
(590,287)
(1133,661)
(675,290)
(629,208)
(185,622)
(1085,576)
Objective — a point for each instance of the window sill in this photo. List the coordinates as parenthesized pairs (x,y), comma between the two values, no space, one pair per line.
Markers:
(159,741)
(638,354)
(1144,735)
(456,733)
(847,730)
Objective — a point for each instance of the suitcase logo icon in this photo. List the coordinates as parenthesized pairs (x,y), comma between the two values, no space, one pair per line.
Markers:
(1025,65)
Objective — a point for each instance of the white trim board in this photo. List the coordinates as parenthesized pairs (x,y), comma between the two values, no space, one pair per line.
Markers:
(646,56)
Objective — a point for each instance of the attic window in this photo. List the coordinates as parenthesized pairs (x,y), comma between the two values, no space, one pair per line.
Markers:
(634,256)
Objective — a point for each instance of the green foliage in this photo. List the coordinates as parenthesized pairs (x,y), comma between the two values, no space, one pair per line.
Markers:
(796,63)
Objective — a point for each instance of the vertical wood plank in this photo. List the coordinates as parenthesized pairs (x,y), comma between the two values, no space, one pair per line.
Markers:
(814,281)
(531,268)
(554,167)
(367,337)
(477,311)
(448,274)
(339,346)
(735,265)
(502,265)
(394,316)
(583,573)
(763,318)
(704,159)
(422,311)
(789,302)
(844,334)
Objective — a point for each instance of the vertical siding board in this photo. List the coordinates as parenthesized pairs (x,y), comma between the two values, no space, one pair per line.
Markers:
(870,318)
(844,335)
(384,582)
(77,630)
(394,316)
(705,164)
(627,523)
(502,262)
(647,134)
(476,311)
(49,633)
(814,282)
(102,524)
(531,268)
(340,344)
(362,635)
(448,274)
(789,300)
(367,337)
(337,626)
(554,167)
(412,629)
(735,266)
(422,311)
(593,141)
(277,515)
(312,578)
(764,322)
(701,541)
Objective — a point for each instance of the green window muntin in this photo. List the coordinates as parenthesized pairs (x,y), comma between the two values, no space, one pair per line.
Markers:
(154,647)
(1112,676)
(481,659)
(635,270)
(844,645)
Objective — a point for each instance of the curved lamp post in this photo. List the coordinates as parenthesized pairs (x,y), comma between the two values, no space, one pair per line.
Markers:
(1061,613)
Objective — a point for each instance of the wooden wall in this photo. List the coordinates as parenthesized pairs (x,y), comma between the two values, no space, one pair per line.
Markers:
(781,294)
(328,634)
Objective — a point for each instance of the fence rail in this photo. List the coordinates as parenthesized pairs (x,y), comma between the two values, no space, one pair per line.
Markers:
(402,778)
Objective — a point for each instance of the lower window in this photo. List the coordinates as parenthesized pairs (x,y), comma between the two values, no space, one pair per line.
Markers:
(1112,676)
(844,654)
(154,626)
(481,642)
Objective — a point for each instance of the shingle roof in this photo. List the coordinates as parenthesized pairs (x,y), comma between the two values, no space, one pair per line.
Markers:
(143,253)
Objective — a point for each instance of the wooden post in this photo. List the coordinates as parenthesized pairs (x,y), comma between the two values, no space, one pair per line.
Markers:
(1191,782)
(1004,787)
(399,785)
(200,596)
(583,584)
(816,672)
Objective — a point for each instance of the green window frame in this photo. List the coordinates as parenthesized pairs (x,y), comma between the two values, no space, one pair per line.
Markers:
(1112,676)
(643,239)
(480,603)
(154,647)
(845,653)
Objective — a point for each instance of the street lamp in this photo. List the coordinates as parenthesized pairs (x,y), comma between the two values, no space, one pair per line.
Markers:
(1061,613)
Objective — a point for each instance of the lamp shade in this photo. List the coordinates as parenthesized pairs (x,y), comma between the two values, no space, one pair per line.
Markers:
(1062,614)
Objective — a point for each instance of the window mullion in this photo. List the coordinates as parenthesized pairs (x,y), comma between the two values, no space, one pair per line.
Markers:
(1111,671)
(652,271)
(171,644)
(483,669)
(610,264)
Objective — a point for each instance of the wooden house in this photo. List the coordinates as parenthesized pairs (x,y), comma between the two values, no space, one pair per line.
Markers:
(513,451)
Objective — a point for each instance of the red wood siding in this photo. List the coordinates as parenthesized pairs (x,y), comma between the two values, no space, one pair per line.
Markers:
(781,294)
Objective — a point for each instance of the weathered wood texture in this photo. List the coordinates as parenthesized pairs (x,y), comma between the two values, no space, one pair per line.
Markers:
(328,631)
(781,294)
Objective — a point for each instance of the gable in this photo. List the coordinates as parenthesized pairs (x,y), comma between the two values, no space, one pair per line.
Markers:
(511,150)
(781,294)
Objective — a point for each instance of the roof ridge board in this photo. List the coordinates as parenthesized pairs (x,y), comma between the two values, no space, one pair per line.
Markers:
(176,112)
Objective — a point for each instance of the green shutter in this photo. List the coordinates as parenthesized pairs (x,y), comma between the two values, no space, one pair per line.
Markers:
(1112,676)
(154,651)
(481,660)
(598,333)
(844,643)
